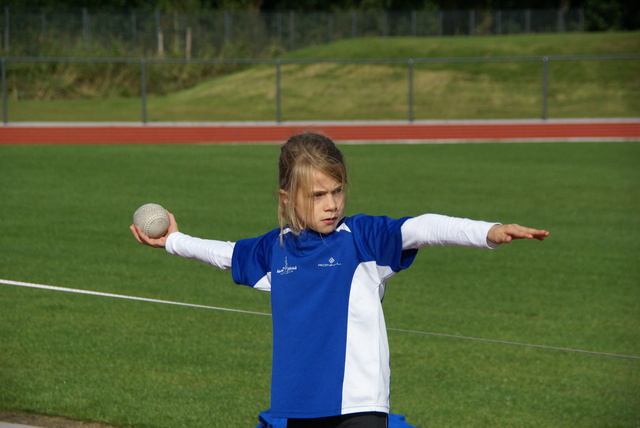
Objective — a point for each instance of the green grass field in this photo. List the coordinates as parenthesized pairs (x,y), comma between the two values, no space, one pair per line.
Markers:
(329,91)
(65,216)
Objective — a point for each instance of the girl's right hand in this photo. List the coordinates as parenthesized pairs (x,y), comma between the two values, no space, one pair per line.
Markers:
(155,242)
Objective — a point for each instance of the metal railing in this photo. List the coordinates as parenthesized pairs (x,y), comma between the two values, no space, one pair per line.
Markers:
(410,63)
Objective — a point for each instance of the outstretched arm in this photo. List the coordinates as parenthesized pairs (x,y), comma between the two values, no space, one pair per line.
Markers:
(435,229)
(505,233)
(215,253)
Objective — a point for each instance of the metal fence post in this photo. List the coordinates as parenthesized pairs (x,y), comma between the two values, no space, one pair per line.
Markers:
(410,96)
(545,81)
(6,29)
(472,22)
(414,23)
(43,25)
(143,90)
(354,24)
(134,31)
(279,27)
(85,27)
(278,113)
(291,30)
(560,23)
(159,34)
(4,91)
(385,24)
(227,26)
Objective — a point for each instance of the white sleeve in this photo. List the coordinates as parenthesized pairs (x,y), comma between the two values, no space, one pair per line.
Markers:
(434,229)
(215,253)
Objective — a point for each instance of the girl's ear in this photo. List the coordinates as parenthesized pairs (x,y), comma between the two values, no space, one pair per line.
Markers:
(284,197)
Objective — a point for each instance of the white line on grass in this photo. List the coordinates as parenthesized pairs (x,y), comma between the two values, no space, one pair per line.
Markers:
(122,296)
(169,302)
(517,343)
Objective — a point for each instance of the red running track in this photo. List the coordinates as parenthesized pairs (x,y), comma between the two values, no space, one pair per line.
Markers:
(453,131)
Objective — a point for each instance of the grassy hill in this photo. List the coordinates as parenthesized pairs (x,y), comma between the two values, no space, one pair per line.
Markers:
(482,46)
(369,90)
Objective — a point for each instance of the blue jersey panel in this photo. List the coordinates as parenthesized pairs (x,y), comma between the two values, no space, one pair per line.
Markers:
(251,258)
(380,239)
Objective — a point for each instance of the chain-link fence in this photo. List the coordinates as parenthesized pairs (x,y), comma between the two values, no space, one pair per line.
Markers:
(210,33)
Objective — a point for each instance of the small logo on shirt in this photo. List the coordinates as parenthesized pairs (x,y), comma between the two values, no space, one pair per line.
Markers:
(332,263)
(286,269)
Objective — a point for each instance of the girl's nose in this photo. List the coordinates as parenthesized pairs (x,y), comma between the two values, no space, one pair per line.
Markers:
(331,203)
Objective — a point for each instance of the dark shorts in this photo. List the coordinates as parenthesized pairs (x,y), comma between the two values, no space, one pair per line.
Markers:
(356,420)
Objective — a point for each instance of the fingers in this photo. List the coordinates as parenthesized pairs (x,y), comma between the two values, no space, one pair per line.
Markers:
(142,238)
(515,231)
(173,225)
(136,233)
(505,233)
(540,234)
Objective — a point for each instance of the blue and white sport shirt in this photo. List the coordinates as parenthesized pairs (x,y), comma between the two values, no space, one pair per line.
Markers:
(330,349)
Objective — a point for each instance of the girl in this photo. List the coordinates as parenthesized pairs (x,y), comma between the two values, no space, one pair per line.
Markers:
(327,276)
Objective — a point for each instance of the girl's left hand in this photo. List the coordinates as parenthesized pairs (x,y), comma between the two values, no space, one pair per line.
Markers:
(505,233)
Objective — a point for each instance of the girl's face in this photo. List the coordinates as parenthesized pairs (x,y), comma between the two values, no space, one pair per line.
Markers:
(322,208)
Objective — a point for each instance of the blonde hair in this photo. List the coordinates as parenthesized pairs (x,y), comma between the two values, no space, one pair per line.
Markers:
(300,157)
